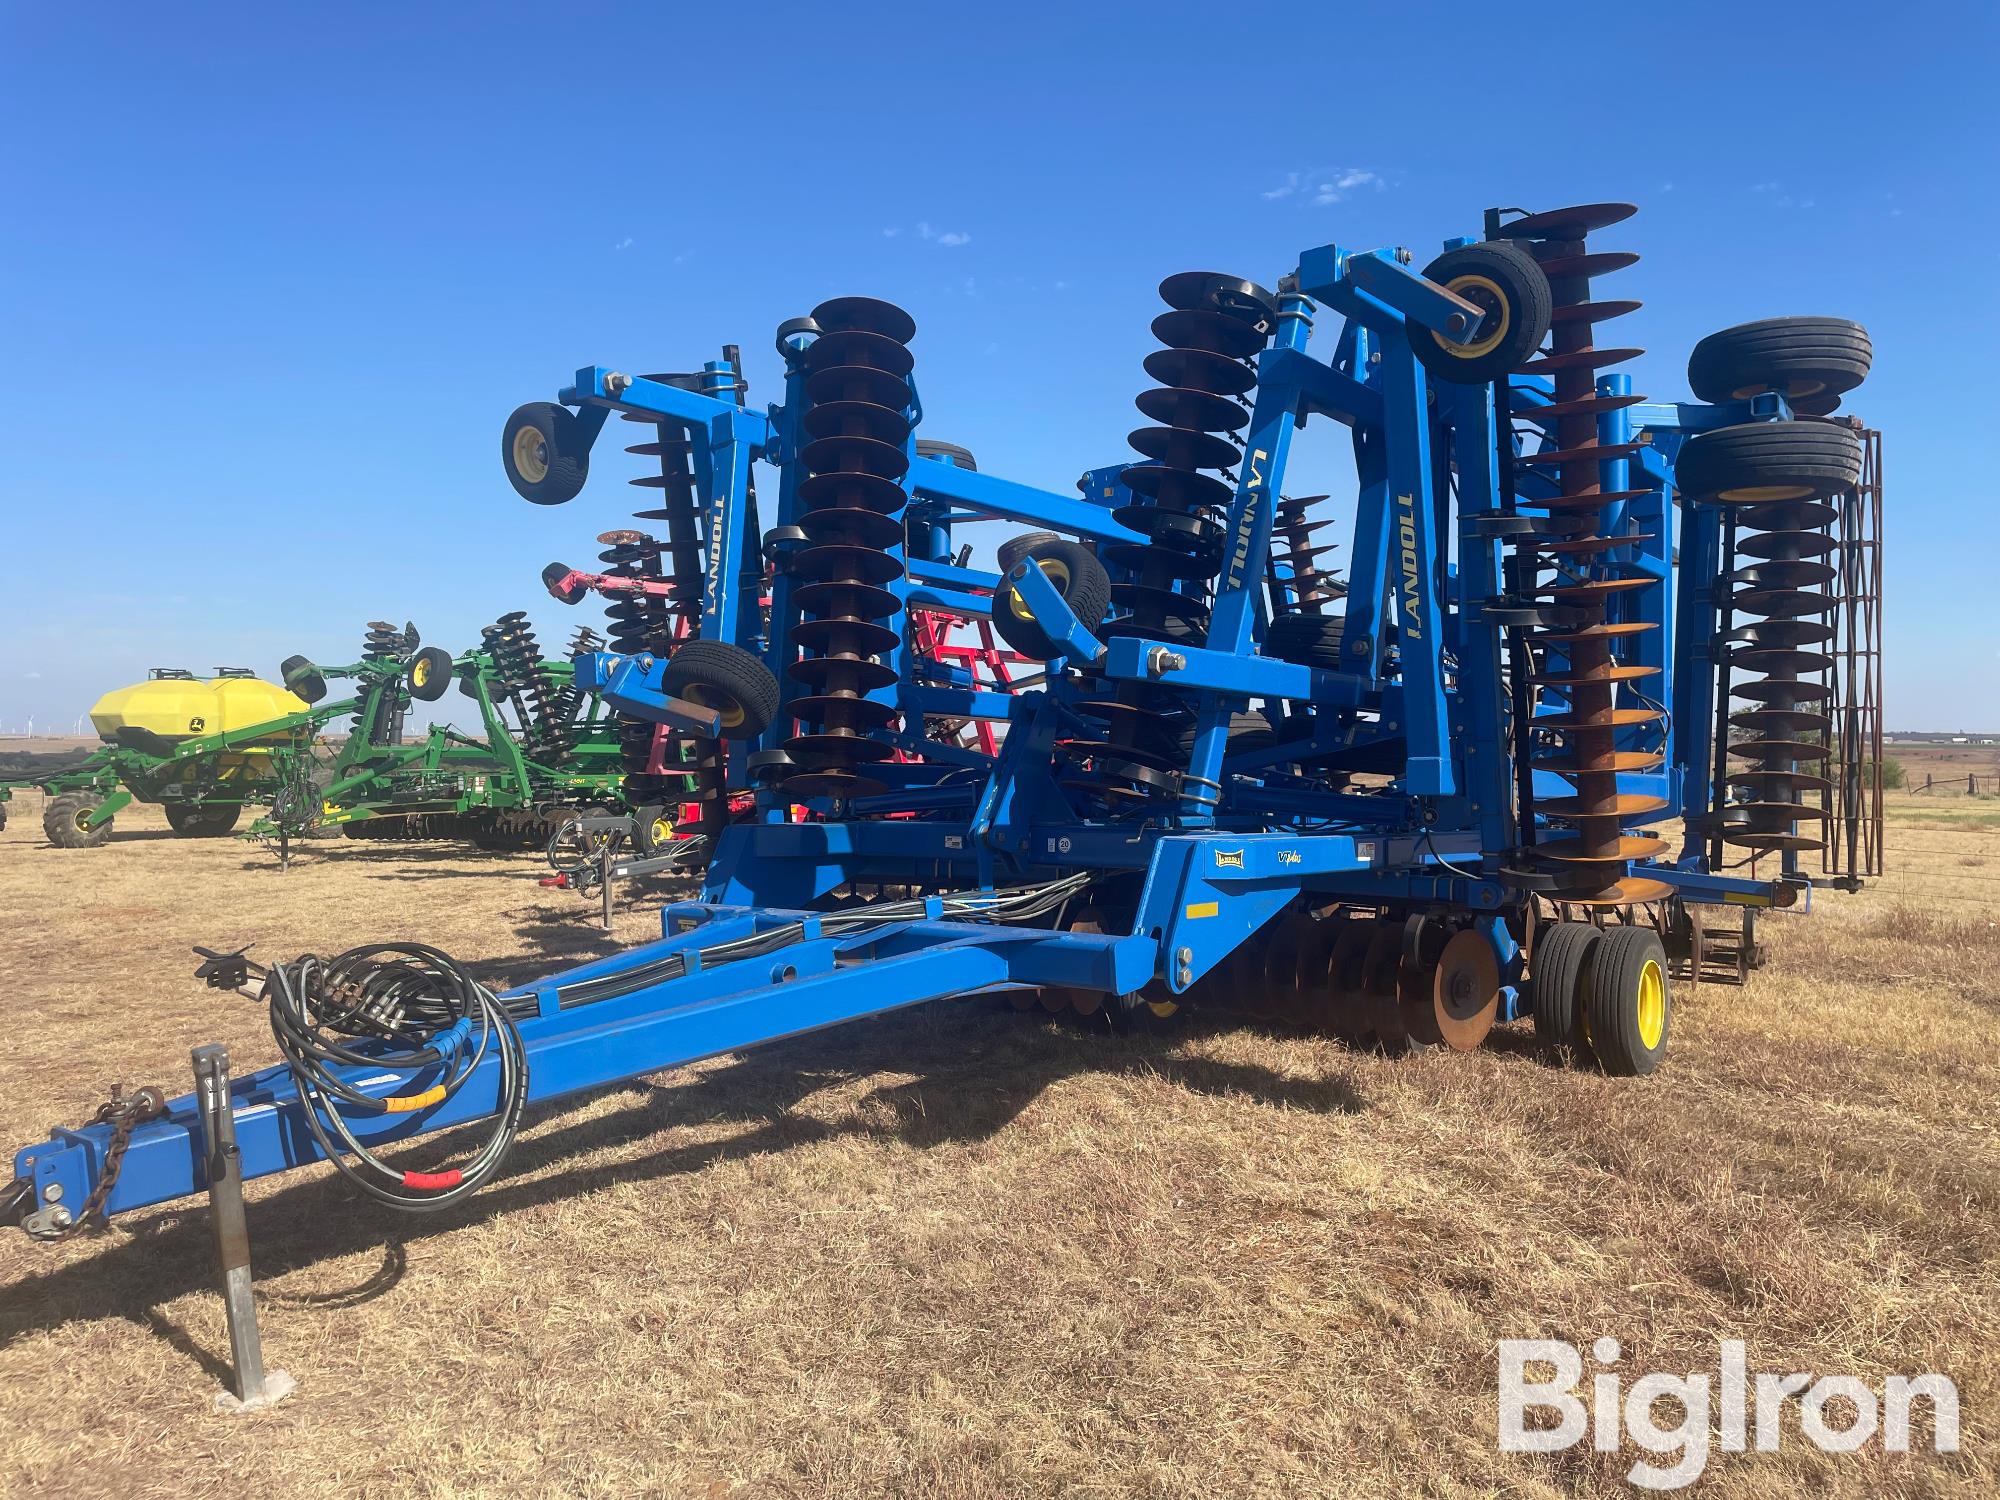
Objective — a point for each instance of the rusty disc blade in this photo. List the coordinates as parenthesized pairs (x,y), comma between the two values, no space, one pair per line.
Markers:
(1567,223)
(1465,992)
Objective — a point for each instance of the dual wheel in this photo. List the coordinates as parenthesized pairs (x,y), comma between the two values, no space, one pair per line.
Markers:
(1602,993)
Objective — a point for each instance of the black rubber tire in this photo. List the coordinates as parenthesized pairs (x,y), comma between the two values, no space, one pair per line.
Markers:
(59,821)
(204,821)
(553,577)
(961,458)
(1246,731)
(1821,457)
(302,679)
(1015,548)
(1623,964)
(1306,640)
(729,679)
(1556,976)
(1505,280)
(429,674)
(1812,361)
(1078,576)
(653,828)
(560,454)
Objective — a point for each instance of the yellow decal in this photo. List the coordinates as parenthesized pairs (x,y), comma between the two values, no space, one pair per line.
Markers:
(1204,909)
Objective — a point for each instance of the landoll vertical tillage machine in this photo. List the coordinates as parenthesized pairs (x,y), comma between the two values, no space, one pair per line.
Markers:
(1589,674)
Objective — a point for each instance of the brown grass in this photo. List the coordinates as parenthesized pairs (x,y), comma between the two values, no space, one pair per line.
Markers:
(960,1252)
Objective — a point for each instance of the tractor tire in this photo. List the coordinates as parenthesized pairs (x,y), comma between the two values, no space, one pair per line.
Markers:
(428,674)
(1510,288)
(1812,362)
(304,680)
(1077,575)
(1556,974)
(1015,548)
(728,679)
(62,821)
(1306,640)
(544,454)
(1630,1005)
(1762,461)
(202,821)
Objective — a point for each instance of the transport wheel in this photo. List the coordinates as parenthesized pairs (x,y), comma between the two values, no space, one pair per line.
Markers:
(1306,640)
(1555,983)
(205,821)
(1630,1007)
(558,579)
(301,678)
(1015,548)
(62,821)
(544,455)
(428,674)
(1812,362)
(652,829)
(1763,461)
(961,458)
(1507,285)
(728,679)
(1077,575)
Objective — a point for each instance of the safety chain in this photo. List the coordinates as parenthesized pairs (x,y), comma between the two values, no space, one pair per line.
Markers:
(124,1115)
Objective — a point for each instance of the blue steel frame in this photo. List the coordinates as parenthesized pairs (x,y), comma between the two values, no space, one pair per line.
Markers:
(1420,680)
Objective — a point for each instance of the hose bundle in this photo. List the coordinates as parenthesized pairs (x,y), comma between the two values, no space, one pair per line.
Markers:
(428,1018)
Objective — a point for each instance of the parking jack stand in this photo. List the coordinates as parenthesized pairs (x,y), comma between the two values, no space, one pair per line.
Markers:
(255,1387)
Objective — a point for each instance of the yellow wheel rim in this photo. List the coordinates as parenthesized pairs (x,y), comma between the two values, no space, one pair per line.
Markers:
(1652,1005)
(531,454)
(727,709)
(420,672)
(1487,295)
(661,831)
(1056,572)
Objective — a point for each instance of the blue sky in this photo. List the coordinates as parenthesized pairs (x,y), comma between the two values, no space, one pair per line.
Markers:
(271,277)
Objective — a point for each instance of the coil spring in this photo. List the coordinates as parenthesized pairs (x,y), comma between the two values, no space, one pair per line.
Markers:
(1213,329)
(1585,866)
(859,426)
(1780,588)
(1297,554)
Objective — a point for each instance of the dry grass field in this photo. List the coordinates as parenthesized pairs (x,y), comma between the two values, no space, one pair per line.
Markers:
(960,1252)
